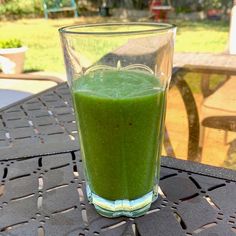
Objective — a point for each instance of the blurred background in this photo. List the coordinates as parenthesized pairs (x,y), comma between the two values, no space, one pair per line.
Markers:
(25,20)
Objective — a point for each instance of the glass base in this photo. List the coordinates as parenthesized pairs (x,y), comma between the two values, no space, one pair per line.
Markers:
(117,208)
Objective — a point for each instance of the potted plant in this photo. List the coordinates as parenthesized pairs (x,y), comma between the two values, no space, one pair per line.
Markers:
(12,56)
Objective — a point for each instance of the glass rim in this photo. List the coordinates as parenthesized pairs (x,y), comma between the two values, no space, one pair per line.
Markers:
(161,27)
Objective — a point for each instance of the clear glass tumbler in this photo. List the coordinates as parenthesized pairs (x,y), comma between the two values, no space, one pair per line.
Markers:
(119,75)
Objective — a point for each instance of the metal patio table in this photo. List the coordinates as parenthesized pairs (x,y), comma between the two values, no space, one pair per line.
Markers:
(42,188)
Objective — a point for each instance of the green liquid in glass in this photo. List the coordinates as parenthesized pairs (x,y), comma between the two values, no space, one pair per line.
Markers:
(120,115)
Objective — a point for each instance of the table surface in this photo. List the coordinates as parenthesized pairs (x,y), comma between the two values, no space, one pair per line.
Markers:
(45,195)
(42,185)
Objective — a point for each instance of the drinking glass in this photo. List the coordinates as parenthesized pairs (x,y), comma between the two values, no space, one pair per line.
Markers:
(118,76)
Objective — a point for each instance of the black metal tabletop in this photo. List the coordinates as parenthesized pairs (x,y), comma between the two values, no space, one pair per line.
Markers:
(45,195)
(36,125)
(42,187)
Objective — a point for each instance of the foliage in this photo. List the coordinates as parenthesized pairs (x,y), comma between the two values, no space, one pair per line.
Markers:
(186,6)
(223,5)
(19,8)
(217,4)
(11,43)
(181,6)
(14,9)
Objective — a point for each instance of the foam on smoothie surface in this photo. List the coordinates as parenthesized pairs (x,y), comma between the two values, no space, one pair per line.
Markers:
(117,83)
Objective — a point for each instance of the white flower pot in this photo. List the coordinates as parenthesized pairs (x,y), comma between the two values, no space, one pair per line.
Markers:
(12,60)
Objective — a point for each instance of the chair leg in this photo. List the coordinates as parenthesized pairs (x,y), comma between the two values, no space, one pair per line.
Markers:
(201,140)
(45,14)
(202,136)
(76,13)
(167,144)
(225,137)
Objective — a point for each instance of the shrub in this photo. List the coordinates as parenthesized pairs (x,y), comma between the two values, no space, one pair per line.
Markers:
(11,43)
(19,8)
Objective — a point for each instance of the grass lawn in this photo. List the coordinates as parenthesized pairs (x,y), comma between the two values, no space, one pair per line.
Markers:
(42,38)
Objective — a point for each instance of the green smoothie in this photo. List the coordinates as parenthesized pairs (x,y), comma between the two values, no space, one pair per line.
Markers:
(120,115)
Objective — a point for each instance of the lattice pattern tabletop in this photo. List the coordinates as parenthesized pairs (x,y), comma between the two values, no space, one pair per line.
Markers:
(45,195)
(38,124)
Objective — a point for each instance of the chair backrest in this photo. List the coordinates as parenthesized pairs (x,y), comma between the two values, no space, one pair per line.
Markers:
(58,4)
